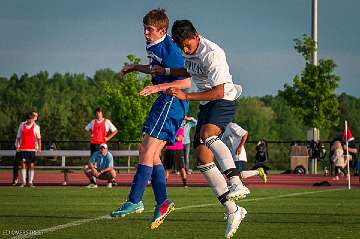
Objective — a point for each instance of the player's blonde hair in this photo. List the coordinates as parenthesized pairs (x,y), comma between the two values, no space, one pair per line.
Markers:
(336,145)
(156,18)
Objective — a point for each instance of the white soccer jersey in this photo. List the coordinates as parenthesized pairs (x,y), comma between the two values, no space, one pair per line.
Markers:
(208,68)
(232,138)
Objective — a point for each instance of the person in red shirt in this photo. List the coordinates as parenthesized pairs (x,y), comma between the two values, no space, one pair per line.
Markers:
(28,141)
(17,155)
(99,131)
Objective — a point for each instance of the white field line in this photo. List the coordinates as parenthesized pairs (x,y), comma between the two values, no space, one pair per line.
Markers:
(83,221)
(261,199)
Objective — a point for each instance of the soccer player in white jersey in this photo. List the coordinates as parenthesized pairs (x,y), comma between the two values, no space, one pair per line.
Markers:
(205,63)
(235,137)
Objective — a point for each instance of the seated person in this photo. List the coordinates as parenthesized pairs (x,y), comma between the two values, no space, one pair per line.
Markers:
(101,166)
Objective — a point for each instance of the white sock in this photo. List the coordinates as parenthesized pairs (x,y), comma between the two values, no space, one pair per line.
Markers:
(31,175)
(23,175)
(214,178)
(230,206)
(235,180)
(249,173)
(94,179)
(217,183)
(221,152)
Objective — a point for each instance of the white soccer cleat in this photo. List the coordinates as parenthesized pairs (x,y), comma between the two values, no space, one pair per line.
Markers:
(91,185)
(233,221)
(237,192)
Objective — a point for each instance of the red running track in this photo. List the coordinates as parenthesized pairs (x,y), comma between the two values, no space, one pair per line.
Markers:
(55,178)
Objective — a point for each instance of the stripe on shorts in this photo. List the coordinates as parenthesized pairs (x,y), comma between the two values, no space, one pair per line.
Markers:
(167,112)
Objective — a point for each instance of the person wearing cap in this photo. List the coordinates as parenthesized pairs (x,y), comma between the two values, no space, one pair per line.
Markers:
(99,129)
(101,166)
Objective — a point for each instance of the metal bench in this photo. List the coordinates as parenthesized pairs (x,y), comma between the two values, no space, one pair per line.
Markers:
(71,153)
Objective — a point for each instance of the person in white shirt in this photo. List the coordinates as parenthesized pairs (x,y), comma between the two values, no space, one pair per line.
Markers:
(235,138)
(187,124)
(205,63)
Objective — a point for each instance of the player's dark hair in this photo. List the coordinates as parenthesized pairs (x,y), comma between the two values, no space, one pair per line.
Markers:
(29,115)
(34,112)
(98,109)
(156,18)
(182,30)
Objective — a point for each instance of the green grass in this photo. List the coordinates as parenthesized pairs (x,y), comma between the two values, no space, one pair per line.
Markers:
(272,213)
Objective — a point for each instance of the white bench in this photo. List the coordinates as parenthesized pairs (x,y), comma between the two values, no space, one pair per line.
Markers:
(71,153)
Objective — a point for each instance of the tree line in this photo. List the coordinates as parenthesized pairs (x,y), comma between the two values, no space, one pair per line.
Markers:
(66,102)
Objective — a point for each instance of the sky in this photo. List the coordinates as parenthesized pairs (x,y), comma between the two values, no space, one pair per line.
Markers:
(83,36)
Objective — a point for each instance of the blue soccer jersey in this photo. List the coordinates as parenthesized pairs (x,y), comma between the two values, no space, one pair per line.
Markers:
(167,113)
(165,53)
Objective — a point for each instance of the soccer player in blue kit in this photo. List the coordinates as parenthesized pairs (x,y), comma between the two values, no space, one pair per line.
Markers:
(163,121)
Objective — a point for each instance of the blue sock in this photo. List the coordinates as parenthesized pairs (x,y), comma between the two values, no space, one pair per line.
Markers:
(139,183)
(158,181)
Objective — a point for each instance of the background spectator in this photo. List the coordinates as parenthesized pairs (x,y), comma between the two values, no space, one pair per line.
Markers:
(101,166)
(28,141)
(98,129)
(174,156)
(187,124)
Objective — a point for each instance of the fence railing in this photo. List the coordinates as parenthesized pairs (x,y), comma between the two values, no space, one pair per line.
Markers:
(279,154)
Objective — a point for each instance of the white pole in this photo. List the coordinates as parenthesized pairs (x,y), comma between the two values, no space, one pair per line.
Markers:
(314,61)
(314,30)
(347,153)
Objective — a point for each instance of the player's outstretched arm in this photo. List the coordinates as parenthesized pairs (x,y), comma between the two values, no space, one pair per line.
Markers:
(127,68)
(215,93)
(180,84)
(159,70)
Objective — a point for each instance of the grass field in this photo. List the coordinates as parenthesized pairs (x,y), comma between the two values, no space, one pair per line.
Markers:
(272,213)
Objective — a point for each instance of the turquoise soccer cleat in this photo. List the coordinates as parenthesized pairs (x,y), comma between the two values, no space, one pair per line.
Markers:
(128,208)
